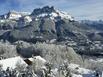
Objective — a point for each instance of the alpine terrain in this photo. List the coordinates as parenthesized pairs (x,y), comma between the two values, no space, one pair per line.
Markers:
(50,43)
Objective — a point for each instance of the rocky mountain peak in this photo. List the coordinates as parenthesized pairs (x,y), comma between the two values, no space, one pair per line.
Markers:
(45,9)
(13,15)
(50,12)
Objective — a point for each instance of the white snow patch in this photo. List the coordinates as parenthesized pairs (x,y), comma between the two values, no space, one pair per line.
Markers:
(38,58)
(75,75)
(11,62)
(14,16)
(39,62)
(52,41)
(2,21)
(27,19)
(42,15)
(64,15)
(52,15)
(99,60)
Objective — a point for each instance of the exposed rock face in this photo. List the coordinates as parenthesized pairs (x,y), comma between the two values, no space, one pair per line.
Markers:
(46,29)
(45,9)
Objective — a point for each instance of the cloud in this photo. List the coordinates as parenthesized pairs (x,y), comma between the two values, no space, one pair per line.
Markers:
(88,10)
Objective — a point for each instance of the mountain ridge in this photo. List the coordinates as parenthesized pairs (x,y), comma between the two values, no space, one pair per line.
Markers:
(40,27)
(46,22)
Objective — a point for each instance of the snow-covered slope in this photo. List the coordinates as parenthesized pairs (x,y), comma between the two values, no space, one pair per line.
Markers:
(77,71)
(11,62)
(53,15)
(27,19)
(64,15)
(14,15)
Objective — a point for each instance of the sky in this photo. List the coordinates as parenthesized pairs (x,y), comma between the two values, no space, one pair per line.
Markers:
(79,9)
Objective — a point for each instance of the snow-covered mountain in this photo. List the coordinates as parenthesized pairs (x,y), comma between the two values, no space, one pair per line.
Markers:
(20,19)
(50,12)
(46,11)
(13,15)
(42,19)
